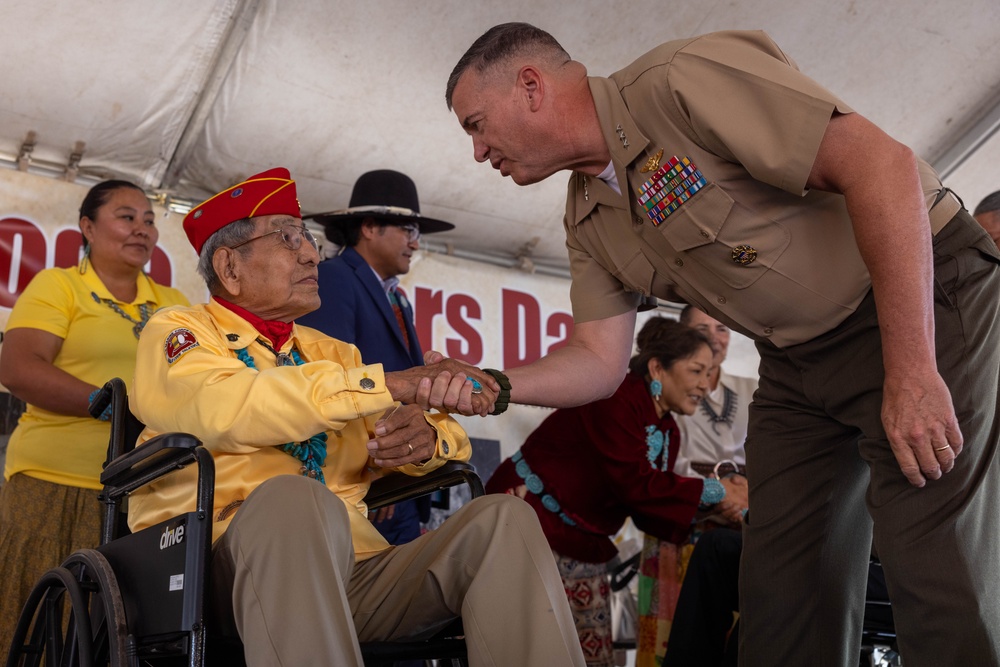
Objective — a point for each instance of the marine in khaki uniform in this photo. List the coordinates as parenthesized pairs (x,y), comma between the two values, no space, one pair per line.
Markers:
(711,170)
(294,422)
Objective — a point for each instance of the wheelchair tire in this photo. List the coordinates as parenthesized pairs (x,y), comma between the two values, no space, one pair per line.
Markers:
(42,614)
(95,632)
(106,610)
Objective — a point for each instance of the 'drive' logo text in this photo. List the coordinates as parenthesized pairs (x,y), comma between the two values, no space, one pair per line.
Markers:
(171,535)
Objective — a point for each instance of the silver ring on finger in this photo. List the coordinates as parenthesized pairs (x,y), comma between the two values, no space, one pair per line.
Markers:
(941,449)
(410,446)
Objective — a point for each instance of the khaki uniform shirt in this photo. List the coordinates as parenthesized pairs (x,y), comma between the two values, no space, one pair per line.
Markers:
(738,109)
(188,378)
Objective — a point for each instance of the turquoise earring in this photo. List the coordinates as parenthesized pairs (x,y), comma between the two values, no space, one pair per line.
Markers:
(82,267)
(655,389)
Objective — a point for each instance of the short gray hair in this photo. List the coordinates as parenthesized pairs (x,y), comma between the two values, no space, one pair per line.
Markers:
(991,202)
(499,44)
(230,235)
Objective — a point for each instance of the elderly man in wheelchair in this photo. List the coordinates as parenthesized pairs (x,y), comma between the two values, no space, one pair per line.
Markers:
(296,424)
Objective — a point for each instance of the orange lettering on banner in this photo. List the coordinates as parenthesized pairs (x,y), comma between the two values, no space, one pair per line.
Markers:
(458,310)
(559,326)
(69,248)
(469,348)
(520,326)
(22,255)
(522,329)
(427,304)
(23,249)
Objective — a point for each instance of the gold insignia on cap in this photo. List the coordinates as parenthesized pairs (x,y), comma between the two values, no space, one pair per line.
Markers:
(744,254)
(653,163)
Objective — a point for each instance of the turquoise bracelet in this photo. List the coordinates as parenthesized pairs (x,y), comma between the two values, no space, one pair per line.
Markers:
(711,494)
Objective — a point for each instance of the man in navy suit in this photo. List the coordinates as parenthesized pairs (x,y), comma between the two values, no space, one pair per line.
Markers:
(362,302)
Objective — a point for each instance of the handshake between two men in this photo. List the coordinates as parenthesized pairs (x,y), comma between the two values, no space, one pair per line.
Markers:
(403,435)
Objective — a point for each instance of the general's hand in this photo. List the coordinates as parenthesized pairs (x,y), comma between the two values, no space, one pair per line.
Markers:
(920,422)
(402,436)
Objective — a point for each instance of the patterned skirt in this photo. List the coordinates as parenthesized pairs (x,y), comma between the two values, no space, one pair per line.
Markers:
(661,573)
(589,592)
(41,523)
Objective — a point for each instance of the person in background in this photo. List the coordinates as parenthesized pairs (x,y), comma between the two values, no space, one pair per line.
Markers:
(987,214)
(585,470)
(711,444)
(717,430)
(70,331)
(362,302)
(703,633)
(712,171)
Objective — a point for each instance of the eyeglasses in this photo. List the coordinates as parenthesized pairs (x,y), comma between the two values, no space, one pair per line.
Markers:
(291,236)
(412,232)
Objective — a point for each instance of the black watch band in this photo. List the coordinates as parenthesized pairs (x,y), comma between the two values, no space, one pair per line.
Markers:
(500,405)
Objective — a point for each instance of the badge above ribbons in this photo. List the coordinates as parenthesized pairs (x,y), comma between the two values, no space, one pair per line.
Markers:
(670,186)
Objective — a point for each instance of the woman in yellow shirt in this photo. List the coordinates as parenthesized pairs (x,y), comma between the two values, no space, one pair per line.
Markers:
(69,332)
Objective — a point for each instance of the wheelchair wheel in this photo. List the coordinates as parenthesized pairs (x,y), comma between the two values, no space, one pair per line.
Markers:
(43,617)
(94,631)
(107,611)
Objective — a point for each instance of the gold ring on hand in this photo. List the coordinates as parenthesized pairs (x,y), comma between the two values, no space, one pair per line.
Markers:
(410,446)
(941,449)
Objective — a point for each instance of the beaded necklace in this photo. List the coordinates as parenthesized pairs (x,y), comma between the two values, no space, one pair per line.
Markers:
(311,452)
(729,405)
(144,313)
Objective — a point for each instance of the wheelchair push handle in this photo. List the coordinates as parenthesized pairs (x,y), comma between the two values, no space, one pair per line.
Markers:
(101,401)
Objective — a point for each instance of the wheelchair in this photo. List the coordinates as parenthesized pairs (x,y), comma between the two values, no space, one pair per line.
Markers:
(878,632)
(139,598)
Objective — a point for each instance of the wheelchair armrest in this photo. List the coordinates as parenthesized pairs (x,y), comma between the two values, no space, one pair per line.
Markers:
(165,452)
(396,487)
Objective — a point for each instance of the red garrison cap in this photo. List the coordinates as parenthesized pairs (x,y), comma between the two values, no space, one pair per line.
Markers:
(271,192)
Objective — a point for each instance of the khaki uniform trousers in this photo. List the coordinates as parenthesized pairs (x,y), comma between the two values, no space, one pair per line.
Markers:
(817,454)
(286,569)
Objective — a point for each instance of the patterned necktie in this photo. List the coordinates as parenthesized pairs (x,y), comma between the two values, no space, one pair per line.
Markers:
(394,299)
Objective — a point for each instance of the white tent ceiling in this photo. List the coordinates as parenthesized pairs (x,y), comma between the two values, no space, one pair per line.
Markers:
(188,96)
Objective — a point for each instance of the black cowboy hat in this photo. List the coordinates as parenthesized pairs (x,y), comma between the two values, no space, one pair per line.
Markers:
(387,196)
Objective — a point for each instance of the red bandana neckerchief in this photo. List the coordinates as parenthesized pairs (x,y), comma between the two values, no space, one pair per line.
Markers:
(274,331)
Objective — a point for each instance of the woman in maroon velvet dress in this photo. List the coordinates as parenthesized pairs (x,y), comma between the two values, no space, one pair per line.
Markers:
(586,469)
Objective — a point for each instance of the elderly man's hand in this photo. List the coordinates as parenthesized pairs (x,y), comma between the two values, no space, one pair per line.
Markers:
(445,384)
(402,436)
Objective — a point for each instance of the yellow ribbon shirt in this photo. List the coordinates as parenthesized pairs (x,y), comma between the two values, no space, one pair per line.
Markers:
(188,378)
